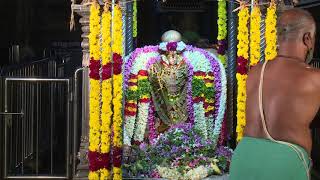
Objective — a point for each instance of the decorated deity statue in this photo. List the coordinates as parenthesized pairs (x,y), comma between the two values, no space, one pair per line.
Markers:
(171,84)
(168,78)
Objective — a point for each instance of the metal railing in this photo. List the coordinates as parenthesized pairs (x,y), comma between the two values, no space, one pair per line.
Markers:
(35,120)
(37,129)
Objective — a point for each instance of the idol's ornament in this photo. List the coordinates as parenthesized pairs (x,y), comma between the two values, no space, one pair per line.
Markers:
(175,101)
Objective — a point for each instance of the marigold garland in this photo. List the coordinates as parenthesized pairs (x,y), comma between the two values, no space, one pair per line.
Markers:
(243,55)
(271,32)
(117,49)
(106,110)
(222,31)
(94,122)
(255,36)
(135,19)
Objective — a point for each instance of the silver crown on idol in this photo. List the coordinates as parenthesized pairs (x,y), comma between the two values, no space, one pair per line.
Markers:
(171,36)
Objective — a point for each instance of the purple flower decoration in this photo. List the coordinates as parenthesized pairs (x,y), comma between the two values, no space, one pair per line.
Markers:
(224,151)
(151,124)
(143,147)
(222,47)
(172,46)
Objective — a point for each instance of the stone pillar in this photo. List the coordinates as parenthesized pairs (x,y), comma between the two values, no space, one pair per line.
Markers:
(82,169)
(231,67)
(128,27)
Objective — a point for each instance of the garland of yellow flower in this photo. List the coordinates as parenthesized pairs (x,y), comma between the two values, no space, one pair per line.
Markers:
(94,122)
(271,32)
(243,55)
(106,111)
(117,49)
(135,19)
(255,36)
(222,30)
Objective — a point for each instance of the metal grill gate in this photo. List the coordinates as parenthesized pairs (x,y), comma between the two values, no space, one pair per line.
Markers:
(38,139)
(34,108)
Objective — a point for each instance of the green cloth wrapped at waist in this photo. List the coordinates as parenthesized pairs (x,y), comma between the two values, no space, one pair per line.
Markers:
(262,159)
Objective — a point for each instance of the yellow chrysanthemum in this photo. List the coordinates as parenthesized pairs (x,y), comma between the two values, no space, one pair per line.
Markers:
(93,176)
(135,19)
(117,47)
(243,50)
(104,174)
(271,33)
(117,173)
(255,36)
(94,43)
(106,37)
(117,36)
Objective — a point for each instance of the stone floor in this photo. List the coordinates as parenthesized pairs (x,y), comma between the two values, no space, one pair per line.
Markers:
(224,177)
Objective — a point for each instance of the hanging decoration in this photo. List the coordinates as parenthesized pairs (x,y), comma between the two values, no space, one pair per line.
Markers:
(106,109)
(242,68)
(222,31)
(94,122)
(255,20)
(117,49)
(222,49)
(271,32)
(135,19)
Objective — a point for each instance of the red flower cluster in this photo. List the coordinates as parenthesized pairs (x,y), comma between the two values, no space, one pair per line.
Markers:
(199,73)
(94,69)
(127,112)
(172,46)
(222,47)
(137,143)
(205,106)
(117,156)
(224,134)
(198,99)
(106,71)
(99,161)
(242,67)
(143,73)
(117,63)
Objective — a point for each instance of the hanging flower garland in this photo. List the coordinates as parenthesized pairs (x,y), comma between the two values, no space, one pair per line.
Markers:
(94,122)
(138,94)
(106,110)
(117,49)
(255,20)
(220,83)
(271,32)
(144,89)
(222,31)
(242,69)
(135,19)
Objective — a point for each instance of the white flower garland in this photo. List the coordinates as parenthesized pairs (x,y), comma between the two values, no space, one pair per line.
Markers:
(142,120)
(200,119)
(128,129)
(137,124)
(200,63)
